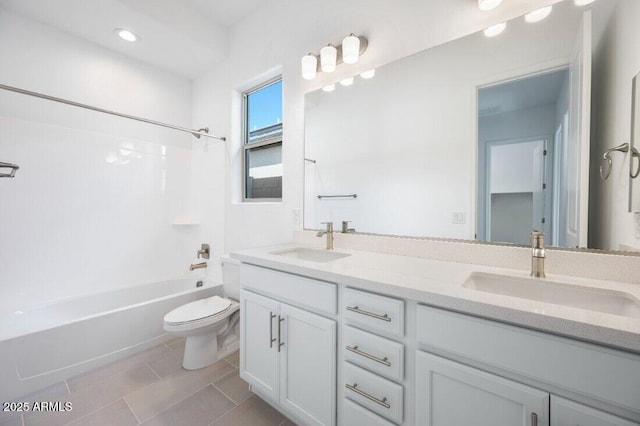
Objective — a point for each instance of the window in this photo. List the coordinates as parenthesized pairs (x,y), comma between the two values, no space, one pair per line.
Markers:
(262,142)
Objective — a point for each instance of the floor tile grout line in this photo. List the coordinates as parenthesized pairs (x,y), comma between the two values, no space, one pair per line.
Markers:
(224,394)
(131,409)
(66,383)
(154,371)
(172,405)
(235,369)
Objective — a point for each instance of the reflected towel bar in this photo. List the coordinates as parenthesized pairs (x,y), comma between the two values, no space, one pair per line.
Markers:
(13,168)
(338,196)
(197,133)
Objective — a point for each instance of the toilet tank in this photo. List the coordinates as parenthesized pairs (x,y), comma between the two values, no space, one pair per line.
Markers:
(231,277)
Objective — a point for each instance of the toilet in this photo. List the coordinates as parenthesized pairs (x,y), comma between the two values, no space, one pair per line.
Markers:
(208,324)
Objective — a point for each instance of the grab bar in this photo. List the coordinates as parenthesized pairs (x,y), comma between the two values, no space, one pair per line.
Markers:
(11,166)
(338,196)
(635,155)
(607,157)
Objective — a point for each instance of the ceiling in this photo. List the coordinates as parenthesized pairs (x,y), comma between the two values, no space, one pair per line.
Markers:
(186,37)
(520,94)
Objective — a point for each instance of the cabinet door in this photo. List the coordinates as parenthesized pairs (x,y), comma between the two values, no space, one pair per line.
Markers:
(308,366)
(569,413)
(448,393)
(258,350)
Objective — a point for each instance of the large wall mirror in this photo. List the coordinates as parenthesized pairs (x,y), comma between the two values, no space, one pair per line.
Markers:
(482,138)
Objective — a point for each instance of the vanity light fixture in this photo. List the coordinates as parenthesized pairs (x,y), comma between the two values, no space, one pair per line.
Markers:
(488,4)
(126,34)
(583,2)
(538,15)
(329,88)
(347,81)
(309,64)
(495,30)
(330,56)
(368,74)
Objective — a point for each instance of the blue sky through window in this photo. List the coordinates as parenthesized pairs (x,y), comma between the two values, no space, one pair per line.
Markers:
(265,106)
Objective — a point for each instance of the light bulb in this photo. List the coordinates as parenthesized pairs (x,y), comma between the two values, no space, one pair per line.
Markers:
(328,56)
(347,81)
(309,65)
(329,88)
(583,2)
(350,49)
(538,15)
(488,4)
(368,74)
(126,34)
(495,30)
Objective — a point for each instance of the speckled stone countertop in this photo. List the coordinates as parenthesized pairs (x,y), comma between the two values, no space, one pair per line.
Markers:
(440,283)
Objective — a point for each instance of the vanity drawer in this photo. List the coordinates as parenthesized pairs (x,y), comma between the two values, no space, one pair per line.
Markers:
(608,375)
(373,392)
(294,289)
(375,353)
(355,415)
(379,313)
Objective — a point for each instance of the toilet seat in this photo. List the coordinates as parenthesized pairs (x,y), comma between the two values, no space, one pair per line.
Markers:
(209,309)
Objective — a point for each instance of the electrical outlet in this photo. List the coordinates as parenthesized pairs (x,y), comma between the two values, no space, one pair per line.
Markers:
(636,216)
(297,219)
(458,217)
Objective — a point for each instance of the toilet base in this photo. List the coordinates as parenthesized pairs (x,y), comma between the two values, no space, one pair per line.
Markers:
(200,351)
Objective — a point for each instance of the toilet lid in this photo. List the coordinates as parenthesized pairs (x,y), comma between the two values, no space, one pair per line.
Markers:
(199,309)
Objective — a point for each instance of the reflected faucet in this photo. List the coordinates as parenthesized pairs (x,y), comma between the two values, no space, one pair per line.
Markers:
(345,227)
(195,266)
(328,233)
(537,254)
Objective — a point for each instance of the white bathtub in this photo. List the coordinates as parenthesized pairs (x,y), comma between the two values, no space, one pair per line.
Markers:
(45,345)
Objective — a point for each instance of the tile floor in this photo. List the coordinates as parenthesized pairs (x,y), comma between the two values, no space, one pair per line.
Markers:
(152,388)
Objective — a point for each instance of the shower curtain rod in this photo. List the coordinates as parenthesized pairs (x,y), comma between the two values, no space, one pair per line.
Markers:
(197,133)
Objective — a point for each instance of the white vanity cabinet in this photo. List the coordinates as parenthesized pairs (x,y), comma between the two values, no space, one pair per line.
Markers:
(288,355)
(569,413)
(449,393)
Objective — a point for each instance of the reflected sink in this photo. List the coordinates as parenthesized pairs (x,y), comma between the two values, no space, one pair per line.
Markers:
(320,256)
(542,290)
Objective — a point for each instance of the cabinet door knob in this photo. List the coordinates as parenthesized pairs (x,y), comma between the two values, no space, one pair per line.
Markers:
(355,350)
(354,388)
(357,310)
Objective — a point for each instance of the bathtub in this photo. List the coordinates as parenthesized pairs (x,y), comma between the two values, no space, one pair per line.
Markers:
(47,344)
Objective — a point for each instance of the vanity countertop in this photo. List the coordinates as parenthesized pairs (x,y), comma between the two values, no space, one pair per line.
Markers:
(439,283)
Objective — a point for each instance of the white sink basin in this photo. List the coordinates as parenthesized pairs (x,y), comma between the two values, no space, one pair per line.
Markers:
(320,256)
(542,290)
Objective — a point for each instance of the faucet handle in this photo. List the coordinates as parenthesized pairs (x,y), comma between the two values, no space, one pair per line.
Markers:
(329,225)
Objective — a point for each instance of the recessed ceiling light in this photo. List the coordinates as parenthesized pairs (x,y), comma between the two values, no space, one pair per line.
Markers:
(583,2)
(368,74)
(347,81)
(495,30)
(329,88)
(126,34)
(538,15)
(488,4)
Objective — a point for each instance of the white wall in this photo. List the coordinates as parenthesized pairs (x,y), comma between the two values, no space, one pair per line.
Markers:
(276,37)
(616,62)
(92,205)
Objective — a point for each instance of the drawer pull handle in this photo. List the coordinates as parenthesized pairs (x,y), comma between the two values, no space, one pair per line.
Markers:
(354,388)
(357,310)
(271,338)
(383,361)
(534,419)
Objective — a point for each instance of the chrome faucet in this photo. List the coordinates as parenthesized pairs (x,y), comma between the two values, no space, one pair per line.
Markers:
(345,227)
(537,254)
(195,266)
(328,233)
